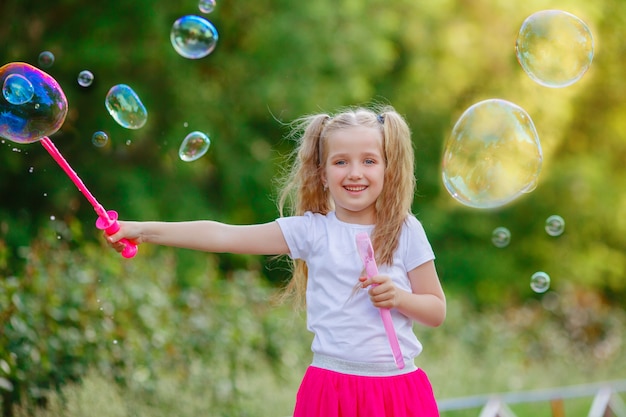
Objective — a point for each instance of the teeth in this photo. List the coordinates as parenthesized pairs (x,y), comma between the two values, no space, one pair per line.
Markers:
(355,188)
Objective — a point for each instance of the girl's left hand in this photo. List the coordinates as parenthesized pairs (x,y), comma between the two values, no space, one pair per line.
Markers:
(382,291)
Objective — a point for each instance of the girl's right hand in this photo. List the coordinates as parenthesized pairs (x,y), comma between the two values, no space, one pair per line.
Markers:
(128,230)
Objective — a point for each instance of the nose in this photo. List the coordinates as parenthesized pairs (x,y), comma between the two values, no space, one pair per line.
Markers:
(355,173)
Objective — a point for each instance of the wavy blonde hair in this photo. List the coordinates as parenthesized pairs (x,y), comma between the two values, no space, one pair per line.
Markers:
(302,189)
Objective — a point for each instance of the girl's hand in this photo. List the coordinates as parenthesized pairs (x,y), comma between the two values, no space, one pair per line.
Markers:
(382,291)
(129,230)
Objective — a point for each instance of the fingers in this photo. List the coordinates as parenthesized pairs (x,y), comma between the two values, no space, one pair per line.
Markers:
(374,281)
(382,291)
(114,240)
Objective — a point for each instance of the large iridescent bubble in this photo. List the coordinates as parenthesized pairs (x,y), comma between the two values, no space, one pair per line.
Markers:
(554,47)
(26,121)
(492,156)
(193,37)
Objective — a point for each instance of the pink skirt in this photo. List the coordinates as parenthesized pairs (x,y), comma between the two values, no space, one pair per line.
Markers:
(325,393)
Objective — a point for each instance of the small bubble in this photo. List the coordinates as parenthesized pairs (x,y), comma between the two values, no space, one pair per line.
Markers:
(206,6)
(501,237)
(100,139)
(17,89)
(194,146)
(115,342)
(540,282)
(53,218)
(31,170)
(85,78)
(555,225)
(45,59)
(193,37)
(125,107)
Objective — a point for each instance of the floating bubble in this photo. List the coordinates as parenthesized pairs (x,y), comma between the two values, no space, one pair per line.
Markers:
(125,107)
(193,37)
(492,156)
(540,282)
(85,78)
(100,139)
(206,6)
(45,59)
(555,48)
(555,225)
(16,89)
(194,146)
(40,116)
(501,237)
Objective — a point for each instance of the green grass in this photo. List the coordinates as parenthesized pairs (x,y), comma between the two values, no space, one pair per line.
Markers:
(517,350)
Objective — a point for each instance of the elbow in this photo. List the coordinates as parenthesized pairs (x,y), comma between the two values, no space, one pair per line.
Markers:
(438,321)
(440,315)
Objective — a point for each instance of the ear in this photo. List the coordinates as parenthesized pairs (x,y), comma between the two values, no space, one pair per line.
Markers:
(323,179)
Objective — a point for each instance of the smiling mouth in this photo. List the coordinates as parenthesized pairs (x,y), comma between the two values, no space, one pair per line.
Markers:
(355,188)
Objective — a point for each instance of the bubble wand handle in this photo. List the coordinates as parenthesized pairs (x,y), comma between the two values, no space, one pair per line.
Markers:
(366,251)
(107,220)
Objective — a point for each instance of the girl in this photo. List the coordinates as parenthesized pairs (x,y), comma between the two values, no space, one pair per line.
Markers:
(353,173)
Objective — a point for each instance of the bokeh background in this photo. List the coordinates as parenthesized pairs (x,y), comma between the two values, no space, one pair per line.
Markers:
(183,333)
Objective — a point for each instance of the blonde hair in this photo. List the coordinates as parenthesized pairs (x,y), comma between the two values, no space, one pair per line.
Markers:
(302,189)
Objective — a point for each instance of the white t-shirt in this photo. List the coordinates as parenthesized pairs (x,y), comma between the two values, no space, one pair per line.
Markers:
(345,324)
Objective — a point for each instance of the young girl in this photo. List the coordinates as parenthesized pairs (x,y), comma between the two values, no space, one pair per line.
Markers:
(353,173)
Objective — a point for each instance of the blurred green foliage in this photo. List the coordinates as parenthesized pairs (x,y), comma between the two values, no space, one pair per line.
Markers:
(277,60)
(68,314)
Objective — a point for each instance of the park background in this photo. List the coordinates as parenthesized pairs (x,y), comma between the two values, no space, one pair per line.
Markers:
(175,332)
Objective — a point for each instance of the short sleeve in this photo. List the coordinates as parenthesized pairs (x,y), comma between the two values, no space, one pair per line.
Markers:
(298,232)
(417,248)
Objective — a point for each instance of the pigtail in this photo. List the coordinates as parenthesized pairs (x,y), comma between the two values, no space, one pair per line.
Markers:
(395,201)
(303,191)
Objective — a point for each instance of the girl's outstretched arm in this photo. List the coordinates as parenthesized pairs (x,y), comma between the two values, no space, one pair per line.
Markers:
(426,303)
(205,235)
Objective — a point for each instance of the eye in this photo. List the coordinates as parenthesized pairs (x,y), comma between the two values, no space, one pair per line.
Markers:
(340,162)
(370,161)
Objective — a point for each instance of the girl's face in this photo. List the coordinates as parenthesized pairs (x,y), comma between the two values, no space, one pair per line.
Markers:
(354,172)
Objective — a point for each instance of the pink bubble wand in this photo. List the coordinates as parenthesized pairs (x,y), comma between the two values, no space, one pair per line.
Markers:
(366,251)
(107,220)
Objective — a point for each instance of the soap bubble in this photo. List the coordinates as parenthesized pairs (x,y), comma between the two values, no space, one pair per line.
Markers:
(492,156)
(193,37)
(555,225)
(85,78)
(540,282)
(100,139)
(500,237)
(125,107)
(555,48)
(40,116)
(194,146)
(45,59)
(17,89)
(206,6)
